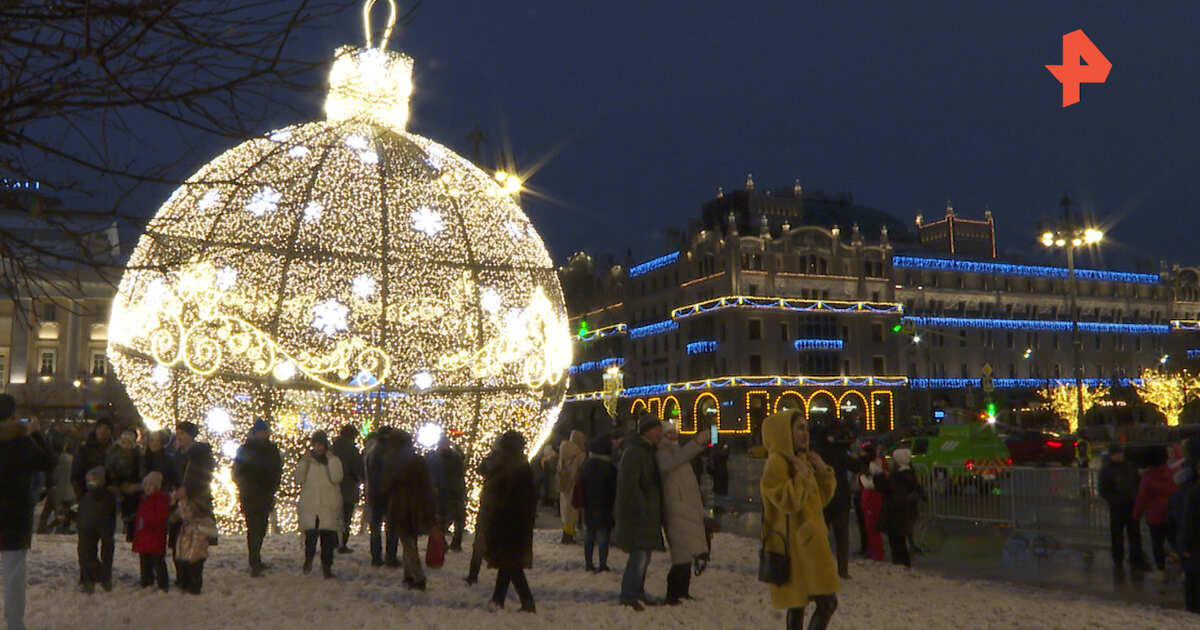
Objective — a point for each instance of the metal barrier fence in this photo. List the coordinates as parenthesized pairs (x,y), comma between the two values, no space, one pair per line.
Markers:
(1059,505)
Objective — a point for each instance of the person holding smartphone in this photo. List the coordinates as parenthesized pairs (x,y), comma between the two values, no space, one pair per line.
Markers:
(683,507)
(796,486)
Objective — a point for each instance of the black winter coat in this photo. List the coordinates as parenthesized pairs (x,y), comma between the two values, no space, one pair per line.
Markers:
(1183,523)
(160,462)
(123,466)
(97,508)
(901,496)
(412,509)
(1118,484)
(639,505)
(21,455)
(194,469)
(257,470)
(598,479)
(90,454)
(839,459)
(508,504)
(378,457)
(449,472)
(352,467)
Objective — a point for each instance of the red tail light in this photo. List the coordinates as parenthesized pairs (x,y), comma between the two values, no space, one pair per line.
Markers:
(1053,443)
(1010,461)
(970,463)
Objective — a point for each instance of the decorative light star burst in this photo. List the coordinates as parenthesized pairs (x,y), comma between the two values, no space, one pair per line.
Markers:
(466,331)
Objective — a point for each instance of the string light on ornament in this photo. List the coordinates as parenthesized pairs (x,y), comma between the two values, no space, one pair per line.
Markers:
(219,421)
(457,318)
(429,435)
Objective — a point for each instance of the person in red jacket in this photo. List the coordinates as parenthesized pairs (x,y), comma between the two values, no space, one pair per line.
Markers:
(150,532)
(1154,490)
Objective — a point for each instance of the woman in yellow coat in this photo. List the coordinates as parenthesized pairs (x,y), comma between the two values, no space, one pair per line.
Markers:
(796,484)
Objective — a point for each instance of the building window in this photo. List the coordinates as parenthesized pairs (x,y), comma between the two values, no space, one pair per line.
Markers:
(878,365)
(3,370)
(1008,338)
(783,332)
(962,339)
(877,333)
(46,365)
(99,365)
(964,370)
(49,313)
(755,364)
(755,329)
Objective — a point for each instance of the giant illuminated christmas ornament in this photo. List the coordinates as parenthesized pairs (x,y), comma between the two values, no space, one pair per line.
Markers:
(343,271)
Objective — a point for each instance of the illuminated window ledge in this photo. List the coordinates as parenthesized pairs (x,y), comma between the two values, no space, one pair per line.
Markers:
(752,381)
(819,344)
(1185,324)
(785,304)
(651,265)
(1193,354)
(588,366)
(1032,324)
(1032,271)
(600,333)
(653,329)
(701,347)
(1015,383)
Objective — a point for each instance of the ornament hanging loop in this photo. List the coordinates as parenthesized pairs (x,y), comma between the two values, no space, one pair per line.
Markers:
(387,32)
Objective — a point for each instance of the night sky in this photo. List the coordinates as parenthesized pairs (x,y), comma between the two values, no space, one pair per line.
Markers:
(637,111)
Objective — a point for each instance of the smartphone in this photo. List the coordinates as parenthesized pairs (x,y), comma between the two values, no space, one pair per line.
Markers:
(713,434)
(24,419)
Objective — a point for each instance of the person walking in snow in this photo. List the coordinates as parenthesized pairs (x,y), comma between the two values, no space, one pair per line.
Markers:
(796,486)
(571,455)
(352,476)
(376,457)
(319,475)
(485,469)
(547,466)
(448,468)
(257,471)
(598,482)
(23,452)
(683,508)
(96,525)
(508,503)
(872,507)
(1118,486)
(901,495)
(150,532)
(638,510)
(412,507)
(1154,491)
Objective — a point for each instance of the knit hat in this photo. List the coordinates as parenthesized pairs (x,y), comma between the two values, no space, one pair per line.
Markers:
(259,425)
(154,479)
(319,437)
(187,427)
(903,457)
(646,423)
(669,426)
(601,445)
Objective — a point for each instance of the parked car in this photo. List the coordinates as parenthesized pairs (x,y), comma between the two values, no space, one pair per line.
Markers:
(1038,448)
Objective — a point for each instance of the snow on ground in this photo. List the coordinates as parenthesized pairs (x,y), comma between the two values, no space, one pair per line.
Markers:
(879,596)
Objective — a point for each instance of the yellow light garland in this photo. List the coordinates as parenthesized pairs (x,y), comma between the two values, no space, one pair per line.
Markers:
(1169,392)
(1063,401)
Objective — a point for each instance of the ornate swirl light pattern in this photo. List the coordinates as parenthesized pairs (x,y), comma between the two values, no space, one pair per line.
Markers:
(343,271)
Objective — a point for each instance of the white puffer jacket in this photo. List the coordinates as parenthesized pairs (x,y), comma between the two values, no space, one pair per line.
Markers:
(320,493)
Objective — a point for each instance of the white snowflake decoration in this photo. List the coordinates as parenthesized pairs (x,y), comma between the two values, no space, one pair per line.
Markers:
(264,201)
(226,278)
(363,286)
(514,229)
(434,156)
(329,317)
(491,301)
(369,157)
(298,151)
(209,199)
(285,371)
(230,448)
(283,135)
(313,211)
(161,375)
(427,220)
(423,380)
(219,421)
(358,143)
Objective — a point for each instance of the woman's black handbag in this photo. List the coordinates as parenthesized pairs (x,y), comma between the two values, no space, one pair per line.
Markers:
(773,567)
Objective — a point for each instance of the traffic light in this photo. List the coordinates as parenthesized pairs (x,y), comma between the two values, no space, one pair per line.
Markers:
(990,415)
(583,328)
(897,328)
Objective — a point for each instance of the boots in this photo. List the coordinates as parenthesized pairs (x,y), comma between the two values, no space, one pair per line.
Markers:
(795,619)
(825,607)
(308,564)
(567,539)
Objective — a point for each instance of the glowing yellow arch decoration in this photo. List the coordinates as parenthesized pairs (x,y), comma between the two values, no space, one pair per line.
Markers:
(808,409)
(633,407)
(880,393)
(803,404)
(662,411)
(869,420)
(696,409)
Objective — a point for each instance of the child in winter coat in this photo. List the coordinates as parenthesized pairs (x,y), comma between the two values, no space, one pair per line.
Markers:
(191,548)
(872,507)
(96,526)
(150,531)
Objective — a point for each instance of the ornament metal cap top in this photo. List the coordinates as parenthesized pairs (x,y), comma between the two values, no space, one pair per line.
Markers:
(370,84)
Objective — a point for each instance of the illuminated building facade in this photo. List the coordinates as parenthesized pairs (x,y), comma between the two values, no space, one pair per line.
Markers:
(777,311)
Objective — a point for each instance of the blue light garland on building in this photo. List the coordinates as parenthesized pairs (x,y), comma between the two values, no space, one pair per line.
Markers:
(651,265)
(1032,324)
(588,366)
(1015,383)
(653,329)
(819,344)
(1194,354)
(1033,271)
(701,347)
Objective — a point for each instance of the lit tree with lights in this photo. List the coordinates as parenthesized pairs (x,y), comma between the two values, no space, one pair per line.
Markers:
(1064,401)
(344,271)
(1169,392)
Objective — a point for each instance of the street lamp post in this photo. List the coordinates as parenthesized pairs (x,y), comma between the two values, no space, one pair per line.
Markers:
(1069,237)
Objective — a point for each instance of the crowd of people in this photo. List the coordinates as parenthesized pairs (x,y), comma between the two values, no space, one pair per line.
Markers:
(1162,488)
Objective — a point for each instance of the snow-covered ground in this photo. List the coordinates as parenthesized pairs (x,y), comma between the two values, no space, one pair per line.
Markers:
(878,597)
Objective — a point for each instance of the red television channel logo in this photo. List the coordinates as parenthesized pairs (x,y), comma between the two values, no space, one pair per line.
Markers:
(1071,73)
